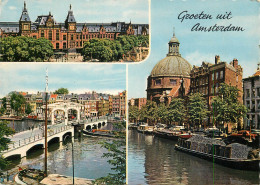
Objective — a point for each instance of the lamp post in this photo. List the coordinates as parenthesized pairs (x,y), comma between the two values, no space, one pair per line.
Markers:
(46,123)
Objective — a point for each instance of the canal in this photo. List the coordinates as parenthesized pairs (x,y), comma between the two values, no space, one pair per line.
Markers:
(88,160)
(153,160)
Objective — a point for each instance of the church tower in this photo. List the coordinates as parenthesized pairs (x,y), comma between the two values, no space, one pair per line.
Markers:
(24,22)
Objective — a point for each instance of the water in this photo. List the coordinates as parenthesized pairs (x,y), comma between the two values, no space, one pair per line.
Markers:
(88,160)
(153,160)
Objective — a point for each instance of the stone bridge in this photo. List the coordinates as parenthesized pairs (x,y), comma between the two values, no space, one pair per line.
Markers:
(22,142)
(94,123)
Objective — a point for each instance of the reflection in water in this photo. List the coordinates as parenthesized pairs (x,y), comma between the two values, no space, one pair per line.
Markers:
(88,159)
(153,160)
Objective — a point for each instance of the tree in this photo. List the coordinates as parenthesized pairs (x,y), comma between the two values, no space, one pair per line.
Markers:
(5,131)
(197,108)
(62,91)
(176,110)
(28,109)
(17,102)
(117,157)
(162,112)
(133,113)
(150,111)
(23,48)
(226,107)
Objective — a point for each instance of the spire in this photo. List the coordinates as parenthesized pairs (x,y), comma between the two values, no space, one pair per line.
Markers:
(46,77)
(174,45)
(70,17)
(258,66)
(24,6)
(25,15)
(49,13)
(70,6)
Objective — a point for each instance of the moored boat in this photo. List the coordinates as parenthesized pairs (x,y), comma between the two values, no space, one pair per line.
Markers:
(234,155)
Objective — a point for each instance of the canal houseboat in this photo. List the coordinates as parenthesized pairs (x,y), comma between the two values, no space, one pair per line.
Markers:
(234,155)
(145,129)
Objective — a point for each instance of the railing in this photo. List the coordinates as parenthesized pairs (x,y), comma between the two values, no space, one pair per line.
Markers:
(38,137)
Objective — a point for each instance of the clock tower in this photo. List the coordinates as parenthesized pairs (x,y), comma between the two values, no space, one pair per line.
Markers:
(24,22)
(70,22)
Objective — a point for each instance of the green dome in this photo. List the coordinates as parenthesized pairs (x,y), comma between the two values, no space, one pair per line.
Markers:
(172,66)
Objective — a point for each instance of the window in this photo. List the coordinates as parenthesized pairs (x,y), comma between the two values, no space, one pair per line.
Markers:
(217,87)
(158,82)
(72,37)
(42,33)
(248,104)
(247,93)
(64,45)
(212,75)
(64,37)
(212,90)
(206,90)
(173,82)
(50,35)
(258,104)
(57,46)
(221,74)
(253,93)
(57,36)
(258,92)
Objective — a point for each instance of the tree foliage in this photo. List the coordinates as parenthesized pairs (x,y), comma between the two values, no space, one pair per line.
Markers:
(162,112)
(149,111)
(23,48)
(111,50)
(176,110)
(62,91)
(28,109)
(133,113)
(5,131)
(226,107)
(17,102)
(117,157)
(197,108)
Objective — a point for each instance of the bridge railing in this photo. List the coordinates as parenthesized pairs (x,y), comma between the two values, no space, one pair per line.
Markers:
(31,139)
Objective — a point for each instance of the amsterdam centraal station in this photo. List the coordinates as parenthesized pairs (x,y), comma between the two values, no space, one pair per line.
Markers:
(70,34)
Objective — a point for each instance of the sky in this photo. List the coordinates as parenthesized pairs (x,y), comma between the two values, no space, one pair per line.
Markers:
(85,11)
(78,78)
(197,47)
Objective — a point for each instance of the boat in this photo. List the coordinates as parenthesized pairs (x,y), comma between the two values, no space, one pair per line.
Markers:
(95,132)
(167,134)
(145,129)
(218,153)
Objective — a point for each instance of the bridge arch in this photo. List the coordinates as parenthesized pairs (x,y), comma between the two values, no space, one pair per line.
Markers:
(88,127)
(99,125)
(65,106)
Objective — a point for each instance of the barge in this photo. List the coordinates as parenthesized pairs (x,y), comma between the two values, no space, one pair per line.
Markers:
(217,152)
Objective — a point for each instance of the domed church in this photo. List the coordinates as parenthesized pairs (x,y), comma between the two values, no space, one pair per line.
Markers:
(170,77)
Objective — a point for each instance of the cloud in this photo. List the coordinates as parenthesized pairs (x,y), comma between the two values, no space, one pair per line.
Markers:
(196,58)
(12,8)
(2,5)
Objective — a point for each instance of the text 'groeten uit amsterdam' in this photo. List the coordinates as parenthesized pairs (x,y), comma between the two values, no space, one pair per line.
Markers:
(184,15)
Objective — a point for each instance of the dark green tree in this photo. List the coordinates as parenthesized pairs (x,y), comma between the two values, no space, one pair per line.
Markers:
(226,106)
(17,102)
(23,48)
(117,157)
(197,108)
(62,91)
(177,110)
(150,112)
(162,113)
(133,113)
(28,109)
(4,102)
(5,131)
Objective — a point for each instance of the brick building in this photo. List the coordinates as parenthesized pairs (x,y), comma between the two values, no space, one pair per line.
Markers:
(170,77)
(138,102)
(207,78)
(251,86)
(70,34)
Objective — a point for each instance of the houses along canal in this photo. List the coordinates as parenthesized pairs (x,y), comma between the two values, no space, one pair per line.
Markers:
(153,160)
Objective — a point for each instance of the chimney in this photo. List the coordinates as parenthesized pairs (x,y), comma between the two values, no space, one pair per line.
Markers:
(217,59)
(235,63)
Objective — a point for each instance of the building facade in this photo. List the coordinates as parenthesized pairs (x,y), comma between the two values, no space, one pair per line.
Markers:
(170,77)
(70,34)
(251,86)
(207,78)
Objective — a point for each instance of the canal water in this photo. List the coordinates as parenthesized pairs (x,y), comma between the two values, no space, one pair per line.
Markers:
(153,160)
(88,160)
